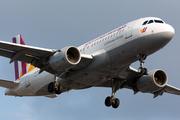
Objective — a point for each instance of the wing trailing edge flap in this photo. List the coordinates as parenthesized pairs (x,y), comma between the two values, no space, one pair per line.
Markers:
(8,84)
(51,96)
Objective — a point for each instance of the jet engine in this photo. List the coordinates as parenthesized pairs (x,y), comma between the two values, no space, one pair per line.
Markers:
(65,59)
(154,81)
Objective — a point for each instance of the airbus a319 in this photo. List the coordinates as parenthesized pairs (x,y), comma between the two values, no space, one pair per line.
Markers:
(102,62)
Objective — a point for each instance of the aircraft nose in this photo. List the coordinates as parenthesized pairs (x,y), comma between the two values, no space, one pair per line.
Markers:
(168,33)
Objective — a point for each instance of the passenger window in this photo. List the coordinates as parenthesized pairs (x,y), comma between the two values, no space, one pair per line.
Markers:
(158,21)
(100,41)
(151,21)
(117,33)
(103,40)
(87,47)
(145,22)
(91,45)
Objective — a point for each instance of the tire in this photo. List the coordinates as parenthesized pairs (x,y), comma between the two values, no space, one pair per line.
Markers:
(59,90)
(108,101)
(115,104)
(140,70)
(51,87)
(145,71)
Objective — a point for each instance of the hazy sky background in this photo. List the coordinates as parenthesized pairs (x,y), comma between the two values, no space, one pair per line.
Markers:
(56,24)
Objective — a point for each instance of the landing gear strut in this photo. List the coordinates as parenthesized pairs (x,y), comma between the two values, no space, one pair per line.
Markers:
(116,84)
(141,58)
(55,86)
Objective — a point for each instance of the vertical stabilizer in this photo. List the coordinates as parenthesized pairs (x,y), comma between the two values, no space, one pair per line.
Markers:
(21,68)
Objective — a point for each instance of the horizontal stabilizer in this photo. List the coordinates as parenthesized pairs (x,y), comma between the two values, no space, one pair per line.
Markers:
(8,84)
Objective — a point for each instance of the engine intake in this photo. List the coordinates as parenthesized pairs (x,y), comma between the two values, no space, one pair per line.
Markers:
(67,58)
(154,81)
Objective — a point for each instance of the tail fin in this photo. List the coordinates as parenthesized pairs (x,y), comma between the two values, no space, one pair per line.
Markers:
(21,68)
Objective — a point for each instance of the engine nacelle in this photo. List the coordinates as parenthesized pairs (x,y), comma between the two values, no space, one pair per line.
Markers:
(65,59)
(154,81)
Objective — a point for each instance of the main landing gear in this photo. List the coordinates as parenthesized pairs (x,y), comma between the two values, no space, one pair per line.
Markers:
(141,58)
(112,101)
(55,86)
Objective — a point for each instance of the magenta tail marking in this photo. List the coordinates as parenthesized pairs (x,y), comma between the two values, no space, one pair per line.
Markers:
(16,64)
(23,63)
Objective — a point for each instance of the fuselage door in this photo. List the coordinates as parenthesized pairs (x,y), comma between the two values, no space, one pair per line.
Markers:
(128,32)
(28,84)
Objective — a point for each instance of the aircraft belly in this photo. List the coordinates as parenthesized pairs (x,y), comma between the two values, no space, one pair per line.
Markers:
(98,71)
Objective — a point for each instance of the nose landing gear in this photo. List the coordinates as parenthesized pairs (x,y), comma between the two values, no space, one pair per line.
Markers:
(141,58)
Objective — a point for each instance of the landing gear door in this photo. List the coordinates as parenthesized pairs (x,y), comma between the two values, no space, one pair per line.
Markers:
(128,32)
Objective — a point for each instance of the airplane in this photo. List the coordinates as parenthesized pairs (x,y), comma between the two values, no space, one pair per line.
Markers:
(102,62)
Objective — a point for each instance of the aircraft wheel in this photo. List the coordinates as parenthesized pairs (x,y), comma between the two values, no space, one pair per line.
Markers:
(115,104)
(51,87)
(108,101)
(145,71)
(59,90)
(142,71)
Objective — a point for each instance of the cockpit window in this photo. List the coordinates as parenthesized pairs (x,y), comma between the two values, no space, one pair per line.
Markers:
(151,21)
(145,22)
(158,21)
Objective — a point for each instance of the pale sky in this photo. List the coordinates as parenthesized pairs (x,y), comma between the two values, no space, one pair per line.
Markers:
(58,23)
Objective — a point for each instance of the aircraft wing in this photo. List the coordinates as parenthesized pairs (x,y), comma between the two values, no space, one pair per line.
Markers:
(8,84)
(130,75)
(172,90)
(34,55)
(30,50)
(25,53)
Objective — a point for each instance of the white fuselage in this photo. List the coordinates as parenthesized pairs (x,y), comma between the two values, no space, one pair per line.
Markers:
(112,53)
